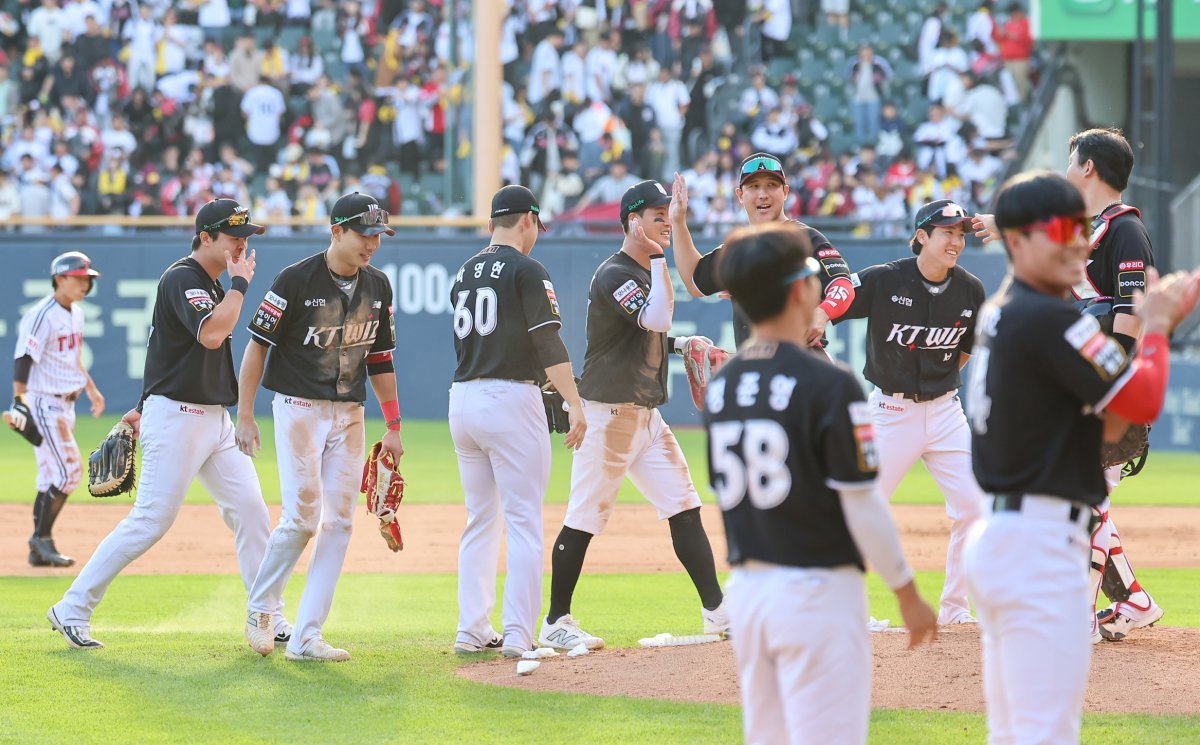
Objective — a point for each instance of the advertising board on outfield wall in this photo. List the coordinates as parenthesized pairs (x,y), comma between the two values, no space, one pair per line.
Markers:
(1107,20)
(422,269)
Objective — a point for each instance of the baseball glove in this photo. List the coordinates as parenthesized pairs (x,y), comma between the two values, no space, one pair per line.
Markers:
(20,419)
(384,487)
(701,360)
(1131,445)
(111,467)
(557,418)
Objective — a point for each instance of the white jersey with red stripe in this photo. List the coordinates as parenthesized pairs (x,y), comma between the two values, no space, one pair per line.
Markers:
(51,335)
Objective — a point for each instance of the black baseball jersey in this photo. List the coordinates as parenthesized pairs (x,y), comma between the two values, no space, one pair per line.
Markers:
(624,363)
(319,338)
(1121,254)
(1041,372)
(178,366)
(786,430)
(916,329)
(499,296)
(833,264)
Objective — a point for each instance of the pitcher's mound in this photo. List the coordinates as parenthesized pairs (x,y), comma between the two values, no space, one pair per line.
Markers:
(1154,671)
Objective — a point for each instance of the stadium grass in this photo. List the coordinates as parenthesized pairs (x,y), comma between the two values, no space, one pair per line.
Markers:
(177,669)
(431,469)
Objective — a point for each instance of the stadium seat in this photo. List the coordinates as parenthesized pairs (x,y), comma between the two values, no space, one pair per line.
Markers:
(325,40)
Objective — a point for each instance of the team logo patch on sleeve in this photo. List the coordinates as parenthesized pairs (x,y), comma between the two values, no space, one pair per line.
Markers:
(1129,282)
(1101,350)
(1130,265)
(864,435)
(199,299)
(551,297)
(267,317)
(835,266)
(279,303)
(630,297)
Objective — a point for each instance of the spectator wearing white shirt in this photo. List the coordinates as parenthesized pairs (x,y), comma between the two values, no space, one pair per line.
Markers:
(117,138)
(702,185)
(776,28)
(75,14)
(947,61)
(64,198)
(979,171)
(353,27)
(10,198)
(545,71)
(213,18)
(641,69)
(299,13)
(142,33)
(263,108)
(758,99)
(26,144)
(774,136)
(938,143)
(574,73)
(306,67)
(669,98)
(980,27)
(983,105)
(608,188)
(408,131)
(927,40)
(592,122)
(602,63)
(49,26)
(215,65)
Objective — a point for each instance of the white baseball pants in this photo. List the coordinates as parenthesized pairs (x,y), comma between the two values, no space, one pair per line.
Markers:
(503,446)
(937,433)
(179,443)
(627,440)
(58,461)
(803,653)
(319,446)
(1028,573)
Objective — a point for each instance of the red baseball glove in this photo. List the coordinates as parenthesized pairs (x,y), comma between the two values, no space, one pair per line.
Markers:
(384,487)
(701,359)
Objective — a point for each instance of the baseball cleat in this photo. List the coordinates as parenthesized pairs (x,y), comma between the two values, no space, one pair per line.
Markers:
(260,632)
(716,621)
(318,650)
(283,631)
(43,553)
(513,651)
(566,634)
(960,618)
(79,637)
(472,648)
(1128,618)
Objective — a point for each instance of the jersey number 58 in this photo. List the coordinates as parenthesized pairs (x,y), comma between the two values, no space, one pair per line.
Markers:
(757,467)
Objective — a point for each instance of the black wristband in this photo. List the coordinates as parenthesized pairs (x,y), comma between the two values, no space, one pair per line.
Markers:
(657,256)
(239,284)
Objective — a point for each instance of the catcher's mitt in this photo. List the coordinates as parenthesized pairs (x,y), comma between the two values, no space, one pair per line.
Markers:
(557,418)
(384,487)
(111,468)
(1132,446)
(20,419)
(701,360)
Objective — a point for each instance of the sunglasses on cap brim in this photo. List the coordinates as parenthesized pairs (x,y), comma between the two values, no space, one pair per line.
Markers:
(754,165)
(1063,229)
(949,211)
(240,217)
(810,268)
(373,219)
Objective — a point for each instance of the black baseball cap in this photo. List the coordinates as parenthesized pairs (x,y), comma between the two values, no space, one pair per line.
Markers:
(642,196)
(361,213)
(941,213)
(515,199)
(761,163)
(226,216)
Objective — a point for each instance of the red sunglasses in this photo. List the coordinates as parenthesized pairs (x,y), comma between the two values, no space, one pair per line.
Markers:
(1063,229)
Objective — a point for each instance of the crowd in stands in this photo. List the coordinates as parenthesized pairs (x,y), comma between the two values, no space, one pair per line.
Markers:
(152,107)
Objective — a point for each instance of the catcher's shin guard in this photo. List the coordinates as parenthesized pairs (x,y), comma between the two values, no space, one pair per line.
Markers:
(1119,583)
(1101,541)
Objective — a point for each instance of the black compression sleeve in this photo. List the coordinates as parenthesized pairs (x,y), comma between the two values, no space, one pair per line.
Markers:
(1126,341)
(379,368)
(21,369)
(549,346)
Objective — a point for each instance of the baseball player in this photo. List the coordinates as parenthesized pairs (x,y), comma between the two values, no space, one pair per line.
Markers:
(793,465)
(630,306)
(327,323)
(763,191)
(920,328)
(1035,352)
(1099,165)
(48,376)
(181,419)
(506,340)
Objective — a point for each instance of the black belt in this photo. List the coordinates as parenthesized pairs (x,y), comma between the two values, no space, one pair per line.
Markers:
(1011,502)
(68,397)
(919,398)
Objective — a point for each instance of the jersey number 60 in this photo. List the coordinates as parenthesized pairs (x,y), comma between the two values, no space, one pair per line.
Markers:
(486,315)
(763,474)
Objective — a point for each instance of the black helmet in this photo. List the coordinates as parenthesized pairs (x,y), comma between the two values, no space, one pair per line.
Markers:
(72,264)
